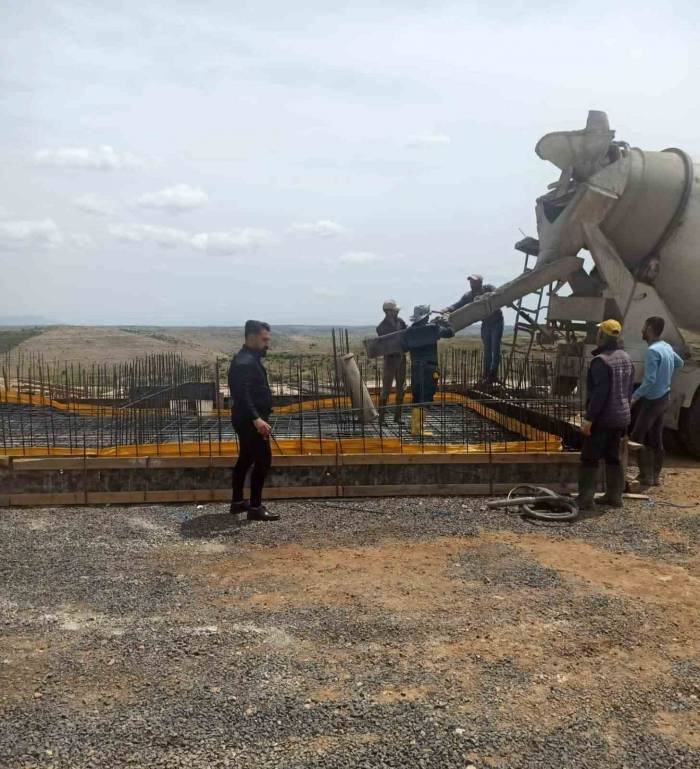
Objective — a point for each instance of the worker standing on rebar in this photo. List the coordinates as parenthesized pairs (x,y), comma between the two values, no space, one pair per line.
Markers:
(491,326)
(608,415)
(251,406)
(421,340)
(650,400)
(394,365)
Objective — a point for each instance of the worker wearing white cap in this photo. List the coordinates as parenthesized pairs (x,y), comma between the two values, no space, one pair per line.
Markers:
(394,368)
(491,326)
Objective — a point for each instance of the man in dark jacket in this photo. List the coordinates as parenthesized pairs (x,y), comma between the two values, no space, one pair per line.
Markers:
(394,367)
(421,340)
(251,406)
(491,326)
(608,415)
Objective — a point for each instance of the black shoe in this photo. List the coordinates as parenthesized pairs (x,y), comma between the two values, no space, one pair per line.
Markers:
(238,507)
(261,514)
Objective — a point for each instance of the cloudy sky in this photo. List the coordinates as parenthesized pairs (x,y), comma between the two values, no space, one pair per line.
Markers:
(201,163)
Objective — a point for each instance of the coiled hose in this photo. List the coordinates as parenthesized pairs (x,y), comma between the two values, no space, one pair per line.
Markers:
(539,503)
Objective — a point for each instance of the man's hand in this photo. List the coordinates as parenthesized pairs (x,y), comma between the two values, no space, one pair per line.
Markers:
(446,311)
(586,427)
(262,427)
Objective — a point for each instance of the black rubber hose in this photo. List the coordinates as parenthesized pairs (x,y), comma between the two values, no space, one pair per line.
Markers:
(547,505)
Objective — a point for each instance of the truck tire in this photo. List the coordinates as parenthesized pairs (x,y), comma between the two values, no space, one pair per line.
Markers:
(564,385)
(689,427)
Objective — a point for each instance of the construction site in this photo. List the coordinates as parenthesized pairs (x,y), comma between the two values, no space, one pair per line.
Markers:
(404,612)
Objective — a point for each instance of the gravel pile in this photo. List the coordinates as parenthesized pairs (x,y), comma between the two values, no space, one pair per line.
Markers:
(381,633)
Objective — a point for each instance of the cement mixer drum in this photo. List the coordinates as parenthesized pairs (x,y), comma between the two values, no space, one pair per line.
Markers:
(654,222)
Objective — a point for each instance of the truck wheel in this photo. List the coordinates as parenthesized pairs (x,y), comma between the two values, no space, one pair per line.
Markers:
(689,427)
(564,385)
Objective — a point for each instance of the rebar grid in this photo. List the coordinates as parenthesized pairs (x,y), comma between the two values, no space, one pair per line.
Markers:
(165,404)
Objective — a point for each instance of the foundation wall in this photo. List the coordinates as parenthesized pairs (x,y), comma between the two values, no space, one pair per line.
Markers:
(52,481)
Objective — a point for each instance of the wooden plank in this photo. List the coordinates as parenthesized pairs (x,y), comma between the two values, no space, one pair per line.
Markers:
(114,497)
(296,460)
(355,460)
(180,495)
(537,458)
(117,463)
(4,500)
(166,463)
(441,490)
(50,499)
(300,492)
(417,490)
(304,460)
(48,463)
(5,461)
(225,461)
(475,458)
(224,495)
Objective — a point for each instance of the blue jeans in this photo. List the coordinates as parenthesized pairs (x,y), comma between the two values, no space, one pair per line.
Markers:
(491,336)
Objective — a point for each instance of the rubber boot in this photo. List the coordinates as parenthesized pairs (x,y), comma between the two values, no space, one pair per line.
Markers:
(645,460)
(587,477)
(415,422)
(614,486)
(417,425)
(658,463)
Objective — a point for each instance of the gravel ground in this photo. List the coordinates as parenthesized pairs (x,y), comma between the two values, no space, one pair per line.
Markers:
(381,633)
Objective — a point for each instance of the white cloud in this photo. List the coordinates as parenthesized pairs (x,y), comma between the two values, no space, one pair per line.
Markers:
(358,257)
(430,140)
(168,237)
(4,213)
(230,242)
(327,293)
(323,228)
(94,204)
(29,234)
(104,158)
(220,243)
(81,240)
(175,199)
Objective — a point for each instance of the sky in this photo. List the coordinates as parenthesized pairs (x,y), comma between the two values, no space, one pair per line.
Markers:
(203,163)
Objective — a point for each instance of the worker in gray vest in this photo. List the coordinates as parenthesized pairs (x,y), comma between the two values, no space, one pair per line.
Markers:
(394,365)
(607,417)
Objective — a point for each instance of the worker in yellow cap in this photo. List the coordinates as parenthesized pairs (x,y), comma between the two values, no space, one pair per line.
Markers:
(607,417)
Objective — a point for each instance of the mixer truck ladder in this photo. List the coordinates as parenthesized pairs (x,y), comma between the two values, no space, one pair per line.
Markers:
(527,321)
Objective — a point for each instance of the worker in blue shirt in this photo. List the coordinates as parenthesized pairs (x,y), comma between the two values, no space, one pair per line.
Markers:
(650,400)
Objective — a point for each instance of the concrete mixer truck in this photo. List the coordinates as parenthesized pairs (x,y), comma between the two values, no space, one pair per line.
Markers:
(638,215)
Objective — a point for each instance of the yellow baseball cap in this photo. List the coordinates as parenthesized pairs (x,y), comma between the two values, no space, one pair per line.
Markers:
(610,327)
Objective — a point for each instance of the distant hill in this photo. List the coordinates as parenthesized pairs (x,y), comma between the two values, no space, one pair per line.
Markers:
(115,344)
(25,320)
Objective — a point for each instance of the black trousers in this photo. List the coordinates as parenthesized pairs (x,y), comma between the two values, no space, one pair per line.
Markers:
(648,426)
(424,381)
(602,443)
(255,451)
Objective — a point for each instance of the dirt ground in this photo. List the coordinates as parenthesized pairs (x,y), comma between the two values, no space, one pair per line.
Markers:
(380,633)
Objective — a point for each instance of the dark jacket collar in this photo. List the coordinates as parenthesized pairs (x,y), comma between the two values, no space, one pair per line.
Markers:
(255,353)
(610,346)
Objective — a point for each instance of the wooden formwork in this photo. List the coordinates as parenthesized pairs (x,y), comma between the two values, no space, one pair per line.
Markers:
(87,480)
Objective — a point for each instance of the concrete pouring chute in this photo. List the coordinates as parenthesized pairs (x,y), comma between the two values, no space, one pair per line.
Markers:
(359,394)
